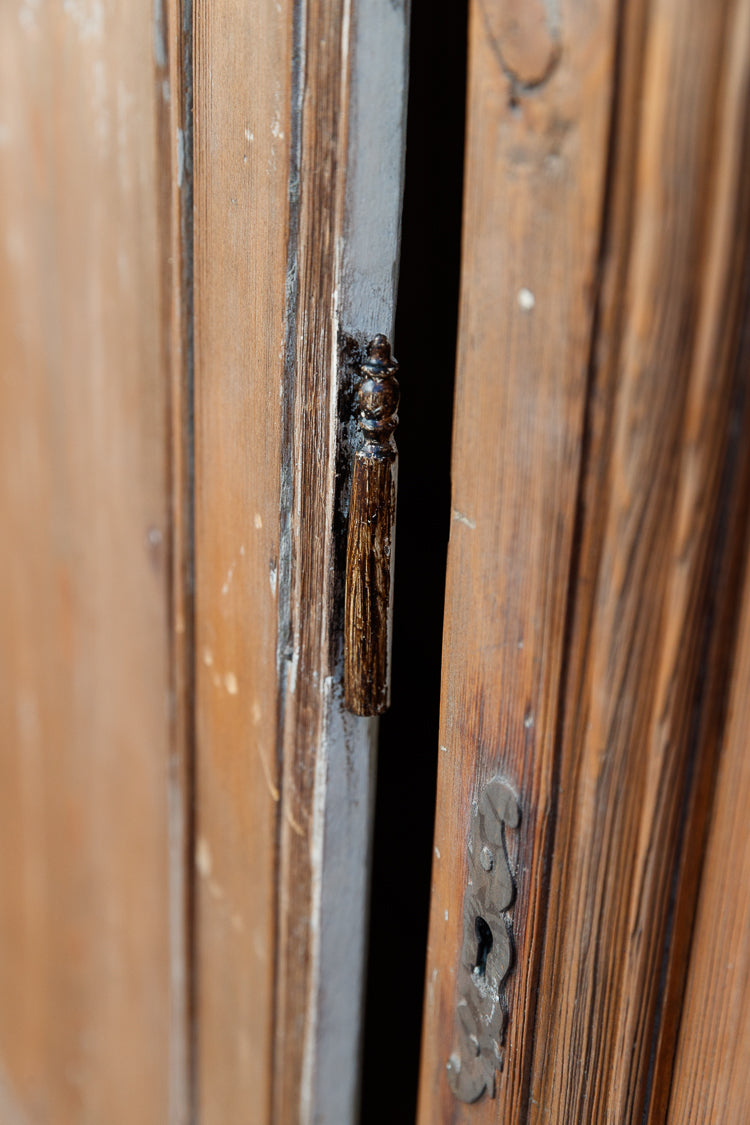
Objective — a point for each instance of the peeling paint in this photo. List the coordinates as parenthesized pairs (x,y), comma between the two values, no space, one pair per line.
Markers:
(459,517)
(203,861)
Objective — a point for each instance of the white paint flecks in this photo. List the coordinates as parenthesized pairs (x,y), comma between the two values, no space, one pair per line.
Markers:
(27,14)
(230,683)
(294,825)
(160,34)
(203,861)
(459,517)
(437,853)
(258,521)
(273,789)
(444,749)
(88,17)
(228,579)
(528,722)
(292,680)
(526,300)
(249,136)
(180,157)
(446,915)
(272,578)
(208,657)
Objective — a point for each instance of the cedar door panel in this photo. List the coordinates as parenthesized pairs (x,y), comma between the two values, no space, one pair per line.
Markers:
(92,972)
(597,534)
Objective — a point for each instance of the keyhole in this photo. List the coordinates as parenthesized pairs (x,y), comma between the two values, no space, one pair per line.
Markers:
(484,945)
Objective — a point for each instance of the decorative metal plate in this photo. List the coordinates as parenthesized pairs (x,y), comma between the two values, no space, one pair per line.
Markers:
(487,952)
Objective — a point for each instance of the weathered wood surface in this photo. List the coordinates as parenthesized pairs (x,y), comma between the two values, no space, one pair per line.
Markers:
(92,981)
(707,1081)
(644,603)
(534,190)
(619,617)
(711,1080)
(242,99)
(297,195)
(371,538)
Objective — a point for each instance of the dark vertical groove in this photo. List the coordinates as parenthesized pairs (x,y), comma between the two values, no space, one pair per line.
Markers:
(174,56)
(286,489)
(186,232)
(189,515)
(425,344)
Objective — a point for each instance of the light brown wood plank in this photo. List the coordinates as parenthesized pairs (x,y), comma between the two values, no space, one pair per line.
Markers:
(291,280)
(652,543)
(534,190)
(723,339)
(311,402)
(241,161)
(711,1079)
(86,679)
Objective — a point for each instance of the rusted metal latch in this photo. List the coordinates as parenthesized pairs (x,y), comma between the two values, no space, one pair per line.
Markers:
(371,538)
(487,952)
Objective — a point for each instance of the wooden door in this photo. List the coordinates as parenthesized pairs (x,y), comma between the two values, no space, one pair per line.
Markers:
(200,214)
(598,538)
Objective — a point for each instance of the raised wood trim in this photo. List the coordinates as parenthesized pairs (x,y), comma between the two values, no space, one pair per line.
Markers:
(533,203)
(297,203)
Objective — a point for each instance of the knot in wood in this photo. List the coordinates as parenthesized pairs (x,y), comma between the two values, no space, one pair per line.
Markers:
(378,394)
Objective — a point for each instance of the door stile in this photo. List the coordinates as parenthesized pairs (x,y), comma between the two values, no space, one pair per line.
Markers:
(344,255)
(297,213)
(534,196)
(632,612)
(86,1008)
(660,475)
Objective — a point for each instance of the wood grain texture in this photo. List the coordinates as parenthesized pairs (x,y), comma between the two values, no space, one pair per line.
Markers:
(621,616)
(284,775)
(534,190)
(724,340)
(651,540)
(369,590)
(241,174)
(86,675)
(711,1079)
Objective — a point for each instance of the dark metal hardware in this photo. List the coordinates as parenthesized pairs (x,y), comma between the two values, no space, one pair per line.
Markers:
(487,952)
(371,538)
